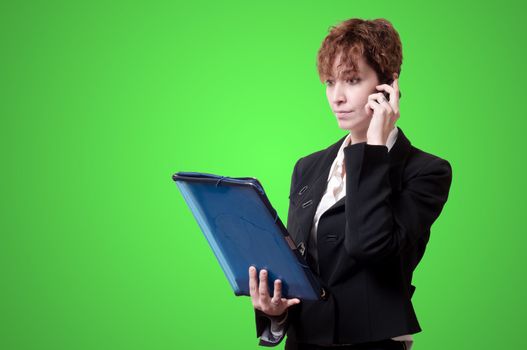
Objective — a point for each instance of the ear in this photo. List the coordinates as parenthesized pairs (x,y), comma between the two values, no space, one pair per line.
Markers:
(395,76)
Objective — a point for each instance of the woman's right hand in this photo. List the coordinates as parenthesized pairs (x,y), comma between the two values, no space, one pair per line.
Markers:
(261,299)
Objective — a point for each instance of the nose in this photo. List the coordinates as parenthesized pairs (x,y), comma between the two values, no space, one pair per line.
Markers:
(337,94)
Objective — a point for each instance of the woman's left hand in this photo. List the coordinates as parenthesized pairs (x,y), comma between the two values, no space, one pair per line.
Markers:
(385,113)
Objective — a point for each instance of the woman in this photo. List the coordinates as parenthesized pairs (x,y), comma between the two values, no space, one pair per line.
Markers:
(360,210)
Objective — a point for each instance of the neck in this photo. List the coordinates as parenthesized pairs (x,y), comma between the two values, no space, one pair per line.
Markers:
(358,136)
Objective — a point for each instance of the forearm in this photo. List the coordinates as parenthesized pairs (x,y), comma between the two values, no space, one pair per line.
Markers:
(379,222)
(369,220)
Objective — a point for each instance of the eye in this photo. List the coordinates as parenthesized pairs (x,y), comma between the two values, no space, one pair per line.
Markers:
(329,82)
(353,80)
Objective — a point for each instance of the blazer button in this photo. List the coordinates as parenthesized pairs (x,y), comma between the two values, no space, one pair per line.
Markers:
(302,248)
(324,294)
(302,190)
(331,237)
(307,204)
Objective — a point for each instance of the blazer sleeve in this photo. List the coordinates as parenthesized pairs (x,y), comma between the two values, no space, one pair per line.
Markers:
(379,225)
(271,330)
(263,321)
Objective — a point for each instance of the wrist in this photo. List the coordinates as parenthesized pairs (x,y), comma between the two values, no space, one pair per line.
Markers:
(280,318)
(376,142)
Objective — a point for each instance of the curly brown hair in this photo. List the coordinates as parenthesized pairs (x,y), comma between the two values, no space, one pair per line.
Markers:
(377,40)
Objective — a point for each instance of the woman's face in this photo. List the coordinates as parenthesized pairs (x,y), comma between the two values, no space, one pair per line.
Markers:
(348,94)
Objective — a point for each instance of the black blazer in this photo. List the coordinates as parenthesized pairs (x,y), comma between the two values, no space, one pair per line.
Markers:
(369,242)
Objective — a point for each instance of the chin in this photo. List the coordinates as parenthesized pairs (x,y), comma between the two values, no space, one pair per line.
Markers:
(347,124)
(352,125)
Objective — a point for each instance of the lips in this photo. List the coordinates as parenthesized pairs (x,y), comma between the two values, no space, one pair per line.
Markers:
(342,113)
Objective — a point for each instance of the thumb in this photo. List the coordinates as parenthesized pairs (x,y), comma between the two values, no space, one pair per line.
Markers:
(368,109)
(292,302)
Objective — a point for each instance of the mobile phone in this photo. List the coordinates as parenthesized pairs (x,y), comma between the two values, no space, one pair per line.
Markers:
(386,94)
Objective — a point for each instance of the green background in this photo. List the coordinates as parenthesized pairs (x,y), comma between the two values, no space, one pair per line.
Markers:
(101,102)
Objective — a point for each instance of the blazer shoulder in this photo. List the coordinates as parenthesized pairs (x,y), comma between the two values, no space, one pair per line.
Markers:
(308,161)
(420,160)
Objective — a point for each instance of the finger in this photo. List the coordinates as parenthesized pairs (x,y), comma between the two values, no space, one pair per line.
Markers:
(368,110)
(377,98)
(387,106)
(291,302)
(386,88)
(372,105)
(373,97)
(393,90)
(397,96)
(253,284)
(396,91)
(381,101)
(389,89)
(263,289)
(277,294)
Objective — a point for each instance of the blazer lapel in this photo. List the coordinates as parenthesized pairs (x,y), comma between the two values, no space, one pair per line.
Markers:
(313,185)
(316,175)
